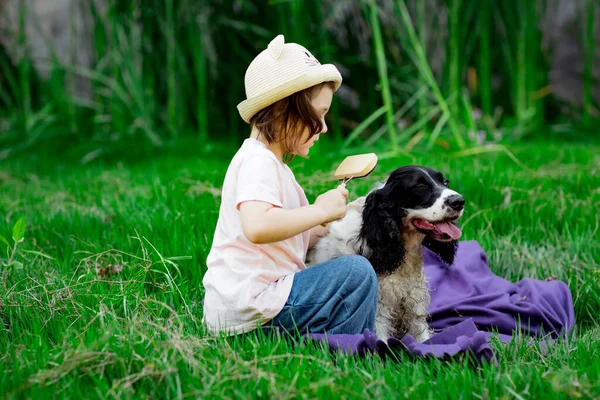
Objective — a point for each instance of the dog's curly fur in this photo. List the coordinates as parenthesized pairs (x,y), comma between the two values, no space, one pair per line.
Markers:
(389,226)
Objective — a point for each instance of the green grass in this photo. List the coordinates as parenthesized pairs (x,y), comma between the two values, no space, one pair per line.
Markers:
(66,331)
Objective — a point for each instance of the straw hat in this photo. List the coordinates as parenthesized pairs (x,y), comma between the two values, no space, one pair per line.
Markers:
(279,71)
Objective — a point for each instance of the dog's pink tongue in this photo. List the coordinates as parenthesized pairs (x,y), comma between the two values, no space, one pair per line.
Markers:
(449,229)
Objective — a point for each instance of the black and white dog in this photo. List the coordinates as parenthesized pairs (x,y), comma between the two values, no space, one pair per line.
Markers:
(413,208)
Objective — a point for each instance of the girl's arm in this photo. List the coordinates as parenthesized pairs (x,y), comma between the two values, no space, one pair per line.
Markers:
(264,223)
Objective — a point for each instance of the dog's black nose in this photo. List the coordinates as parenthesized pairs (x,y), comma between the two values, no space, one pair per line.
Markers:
(455,202)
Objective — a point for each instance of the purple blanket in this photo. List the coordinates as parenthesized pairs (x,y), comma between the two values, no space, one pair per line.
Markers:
(468,302)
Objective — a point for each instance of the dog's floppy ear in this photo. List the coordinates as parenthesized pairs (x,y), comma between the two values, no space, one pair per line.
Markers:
(444,250)
(381,231)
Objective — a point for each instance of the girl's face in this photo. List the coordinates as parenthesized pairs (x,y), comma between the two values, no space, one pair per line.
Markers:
(321,103)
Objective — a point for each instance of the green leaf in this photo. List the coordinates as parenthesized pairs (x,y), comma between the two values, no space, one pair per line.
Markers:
(3,239)
(19,230)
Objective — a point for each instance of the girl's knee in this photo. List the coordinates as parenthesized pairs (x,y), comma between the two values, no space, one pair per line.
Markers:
(362,269)
(365,285)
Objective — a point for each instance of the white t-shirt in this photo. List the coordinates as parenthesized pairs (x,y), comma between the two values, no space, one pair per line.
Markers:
(246,282)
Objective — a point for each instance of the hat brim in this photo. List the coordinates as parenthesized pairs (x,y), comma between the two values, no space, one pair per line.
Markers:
(323,73)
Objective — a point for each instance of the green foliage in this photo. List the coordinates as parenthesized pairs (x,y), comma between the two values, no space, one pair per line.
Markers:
(19,231)
(161,71)
(18,236)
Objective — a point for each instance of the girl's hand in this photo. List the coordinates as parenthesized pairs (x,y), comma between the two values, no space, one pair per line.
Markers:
(333,203)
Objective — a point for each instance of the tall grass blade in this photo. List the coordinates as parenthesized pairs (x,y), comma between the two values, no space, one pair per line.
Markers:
(454,73)
(172,96)
(69,80)
(468,117)
(298,21)
(364,125)
(493,148)
(507,32)
(198,32)
(417,96)
(10,96)
(422,29)
(24,66)
(382,70)
(535,76)
(420,123)
(425,70)
(116,20)
(485,73)
(589,52)
(435,133)
(521,73)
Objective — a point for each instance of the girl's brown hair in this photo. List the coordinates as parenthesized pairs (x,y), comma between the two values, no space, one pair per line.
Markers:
(285,120)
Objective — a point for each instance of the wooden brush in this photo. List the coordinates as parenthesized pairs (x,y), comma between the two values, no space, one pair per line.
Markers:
(357,166)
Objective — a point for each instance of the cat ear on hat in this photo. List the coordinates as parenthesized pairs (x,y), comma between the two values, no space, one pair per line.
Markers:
(276,46)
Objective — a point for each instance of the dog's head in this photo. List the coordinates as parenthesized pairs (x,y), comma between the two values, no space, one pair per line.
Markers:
(414,204)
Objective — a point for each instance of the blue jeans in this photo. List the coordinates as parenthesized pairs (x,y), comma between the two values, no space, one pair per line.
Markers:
(337,296)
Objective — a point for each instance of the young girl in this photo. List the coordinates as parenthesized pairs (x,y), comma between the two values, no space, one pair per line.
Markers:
(256,273)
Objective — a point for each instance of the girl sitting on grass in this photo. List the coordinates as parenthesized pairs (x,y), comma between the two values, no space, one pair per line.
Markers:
(256,273)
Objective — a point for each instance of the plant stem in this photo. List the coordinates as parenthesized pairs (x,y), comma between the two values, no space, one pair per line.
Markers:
(521,73)
(12,253)
(24,69)
(172,99)
(588,62)
(425,69)
(420,6)
(454,73)
(382,70)
(201,67)
(485,76)
(298,21)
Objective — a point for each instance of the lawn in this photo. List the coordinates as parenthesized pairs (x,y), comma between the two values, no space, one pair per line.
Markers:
(102,298)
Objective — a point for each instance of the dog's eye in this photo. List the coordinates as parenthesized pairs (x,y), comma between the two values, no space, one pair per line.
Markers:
(446,182)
